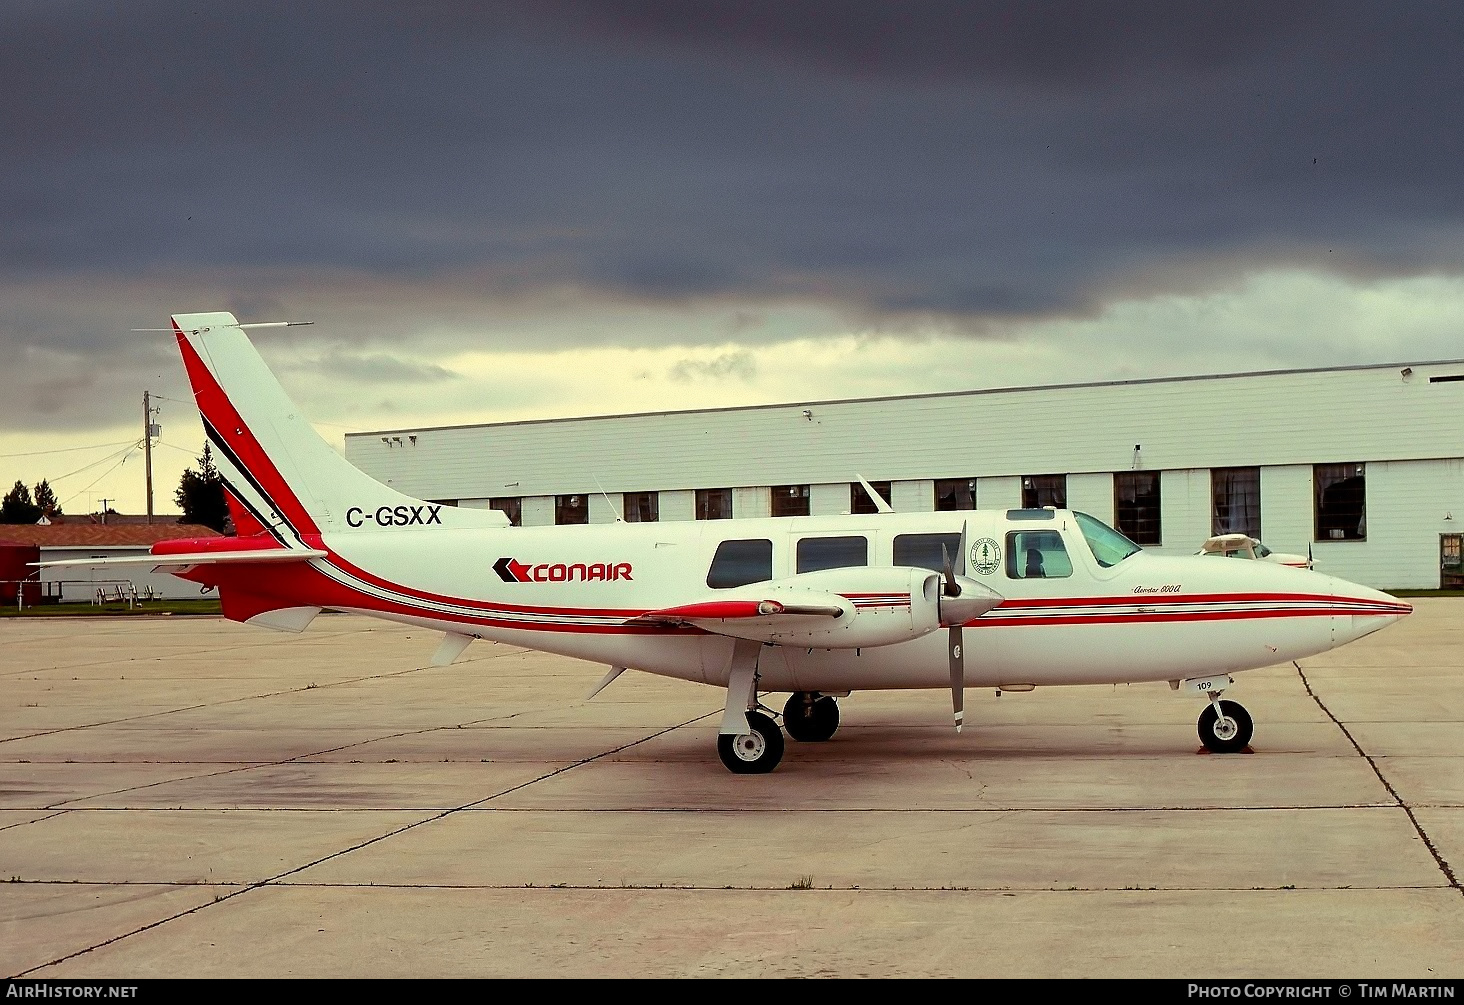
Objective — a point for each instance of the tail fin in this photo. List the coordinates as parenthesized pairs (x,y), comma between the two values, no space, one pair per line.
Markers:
(279,473)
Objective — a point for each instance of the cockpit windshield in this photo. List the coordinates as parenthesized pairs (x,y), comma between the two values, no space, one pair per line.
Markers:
(1108,545)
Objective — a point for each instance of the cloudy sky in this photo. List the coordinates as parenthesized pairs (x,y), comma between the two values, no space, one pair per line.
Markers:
(564,208)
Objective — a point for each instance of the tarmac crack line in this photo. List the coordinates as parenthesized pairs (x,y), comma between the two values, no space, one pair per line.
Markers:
(227,701)
(1433,850)
(244,766)
(275,880)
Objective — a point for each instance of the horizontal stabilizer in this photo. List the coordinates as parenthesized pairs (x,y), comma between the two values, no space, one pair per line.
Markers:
(188,560)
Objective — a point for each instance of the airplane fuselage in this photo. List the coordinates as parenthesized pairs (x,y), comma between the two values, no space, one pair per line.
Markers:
(576,590)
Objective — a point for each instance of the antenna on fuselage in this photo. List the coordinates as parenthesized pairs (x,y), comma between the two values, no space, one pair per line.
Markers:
(881,504)
(618,517)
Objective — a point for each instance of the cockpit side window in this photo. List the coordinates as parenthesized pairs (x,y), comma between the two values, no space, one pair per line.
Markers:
(1037,554)
(738,563)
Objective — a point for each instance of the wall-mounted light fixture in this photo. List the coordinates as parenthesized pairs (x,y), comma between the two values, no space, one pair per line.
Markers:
(808,414)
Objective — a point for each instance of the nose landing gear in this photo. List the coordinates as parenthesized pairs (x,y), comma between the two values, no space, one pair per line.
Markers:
(1225,726)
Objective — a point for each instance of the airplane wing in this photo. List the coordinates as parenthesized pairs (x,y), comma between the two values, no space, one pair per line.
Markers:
(832,609)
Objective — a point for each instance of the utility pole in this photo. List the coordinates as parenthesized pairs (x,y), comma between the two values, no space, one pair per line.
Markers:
(147,435)
(105,500)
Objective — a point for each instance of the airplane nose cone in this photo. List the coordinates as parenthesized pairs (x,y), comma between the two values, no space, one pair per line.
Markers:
(1362,610)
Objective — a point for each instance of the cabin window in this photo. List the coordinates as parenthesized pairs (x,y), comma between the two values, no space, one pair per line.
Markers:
(571,509)
(511,507)
(859,501)
(816,553)
(790,500)
(714,504)
(923,551)
(738,563)
(1341,501)
(1037,554)
(955,493)
(641,507)
(1136,506)
(1235,506)
(1044,490)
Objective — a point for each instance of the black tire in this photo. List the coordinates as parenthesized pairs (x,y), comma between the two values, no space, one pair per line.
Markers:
(755,752)
(1220,742)
(810,721)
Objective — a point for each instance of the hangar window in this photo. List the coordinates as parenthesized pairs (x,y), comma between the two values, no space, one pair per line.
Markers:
(790,500)
(1235,507)
(954,494)
(1136,506)
(738,563)
(1044,490)
(714,504)
(1340,502)
(571,509)
(923,551)
(859,501)
(511,507)
(1037,554)
(641,507)
(817,553)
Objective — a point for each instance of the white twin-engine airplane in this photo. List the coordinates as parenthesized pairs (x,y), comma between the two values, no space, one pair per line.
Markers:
(817,606)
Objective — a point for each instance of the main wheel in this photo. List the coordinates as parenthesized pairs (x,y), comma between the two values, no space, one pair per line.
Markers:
(757,751)
(1226,730)
(810,721)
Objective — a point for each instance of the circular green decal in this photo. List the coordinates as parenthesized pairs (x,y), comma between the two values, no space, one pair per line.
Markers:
(986,556)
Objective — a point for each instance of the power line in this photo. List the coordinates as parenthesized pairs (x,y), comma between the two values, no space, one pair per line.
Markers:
(65,450)
(114,467)
(102,460)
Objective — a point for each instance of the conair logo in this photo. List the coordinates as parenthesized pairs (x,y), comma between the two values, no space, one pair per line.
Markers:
(511,570)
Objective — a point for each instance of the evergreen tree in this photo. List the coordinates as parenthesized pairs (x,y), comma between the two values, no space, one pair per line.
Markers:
(200,494)
(17,506)
(46,500)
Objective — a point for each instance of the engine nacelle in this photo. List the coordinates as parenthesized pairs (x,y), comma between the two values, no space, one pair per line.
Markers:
(875,607)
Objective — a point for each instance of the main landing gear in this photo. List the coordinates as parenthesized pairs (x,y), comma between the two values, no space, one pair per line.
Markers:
(1225,726)
(755,752)
(810,717)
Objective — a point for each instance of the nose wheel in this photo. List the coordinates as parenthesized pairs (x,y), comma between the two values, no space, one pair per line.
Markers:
(1225,727)
(755,752)
(810,717)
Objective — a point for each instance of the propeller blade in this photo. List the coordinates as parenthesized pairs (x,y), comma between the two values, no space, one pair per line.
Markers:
(951,588)
(958,676)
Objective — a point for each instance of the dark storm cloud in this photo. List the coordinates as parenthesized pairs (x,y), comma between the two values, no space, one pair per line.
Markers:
(948,160)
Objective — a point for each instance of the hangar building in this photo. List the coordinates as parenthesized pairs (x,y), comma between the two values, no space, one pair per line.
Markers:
(1361,465)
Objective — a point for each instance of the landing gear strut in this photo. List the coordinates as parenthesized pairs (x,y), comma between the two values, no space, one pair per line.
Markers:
(810,717)
(1225,726)
(755,752)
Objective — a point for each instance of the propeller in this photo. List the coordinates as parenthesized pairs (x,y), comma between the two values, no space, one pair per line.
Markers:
(951,590)
(958,604)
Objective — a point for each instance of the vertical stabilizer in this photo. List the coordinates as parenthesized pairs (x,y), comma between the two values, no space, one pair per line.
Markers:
(279,471)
